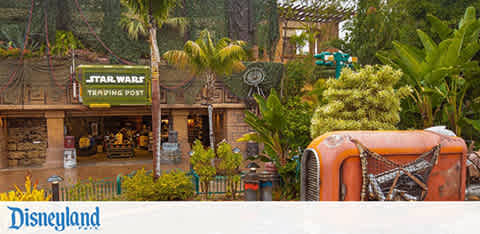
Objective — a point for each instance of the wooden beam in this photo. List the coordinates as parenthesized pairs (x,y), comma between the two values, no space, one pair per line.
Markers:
(27,108)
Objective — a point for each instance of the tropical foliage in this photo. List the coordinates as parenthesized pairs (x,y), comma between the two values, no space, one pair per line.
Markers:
(363,100)
(441,73)
(31,193)
(229,164)
(201,161)
(282,129)
(209,59)
(172,186)
(65,42)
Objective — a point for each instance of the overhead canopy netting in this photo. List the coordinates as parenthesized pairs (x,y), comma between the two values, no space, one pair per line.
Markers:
(91,20)
(32,82)
(96,24)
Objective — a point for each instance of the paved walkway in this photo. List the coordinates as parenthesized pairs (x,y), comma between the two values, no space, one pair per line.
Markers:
(94,170)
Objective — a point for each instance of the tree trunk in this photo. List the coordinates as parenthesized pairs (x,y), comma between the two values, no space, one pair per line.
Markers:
(156,111)
(210,126)
(210,91)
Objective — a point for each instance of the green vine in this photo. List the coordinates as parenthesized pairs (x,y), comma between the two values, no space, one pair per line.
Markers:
(65,42)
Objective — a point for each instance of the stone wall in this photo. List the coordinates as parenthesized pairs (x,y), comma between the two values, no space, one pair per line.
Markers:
(27,142)
(236,128)
(3,143)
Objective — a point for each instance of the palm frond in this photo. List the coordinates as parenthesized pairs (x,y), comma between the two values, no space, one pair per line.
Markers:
(232,52)
(194,50)
(178,58)
(238,66)
(134,24)
(222,43)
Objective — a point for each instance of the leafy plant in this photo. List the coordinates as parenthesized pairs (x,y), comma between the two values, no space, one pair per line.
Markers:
(31,193)
(15,39)
(137,25)
(314,93)
(298,73)
(65,41)
(268,128)
(441,73)
(373,28)
(230,162)
(201,160)
(364,100)
(308,35)
(274,128)
(298,116)
(173,186)
(209,59)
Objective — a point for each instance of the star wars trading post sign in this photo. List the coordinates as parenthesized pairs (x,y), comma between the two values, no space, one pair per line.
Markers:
(114,85)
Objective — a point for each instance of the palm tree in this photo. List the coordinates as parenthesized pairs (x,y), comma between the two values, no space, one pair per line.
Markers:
(147,16)
(209,59)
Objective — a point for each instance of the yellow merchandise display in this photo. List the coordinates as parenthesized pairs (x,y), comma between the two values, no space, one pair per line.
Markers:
(143,142)
(84,142)
(118,139)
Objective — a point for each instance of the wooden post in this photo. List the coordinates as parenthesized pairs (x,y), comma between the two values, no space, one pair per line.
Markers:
(3,143)
(55,133)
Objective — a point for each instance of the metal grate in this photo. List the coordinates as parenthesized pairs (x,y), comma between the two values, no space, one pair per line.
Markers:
(310,178)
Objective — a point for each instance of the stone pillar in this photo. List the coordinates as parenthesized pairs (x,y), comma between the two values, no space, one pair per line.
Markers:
(235,128)
(3,143)
(180,119)
(55,138)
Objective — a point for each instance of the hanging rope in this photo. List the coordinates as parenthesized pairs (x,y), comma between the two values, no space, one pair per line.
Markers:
(184,84)
(84,19)
(27,37)
(49,57)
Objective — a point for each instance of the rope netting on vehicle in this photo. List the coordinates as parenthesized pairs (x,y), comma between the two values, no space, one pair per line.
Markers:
(384,179)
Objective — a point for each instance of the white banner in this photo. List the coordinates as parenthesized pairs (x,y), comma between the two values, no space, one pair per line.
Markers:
(239,217)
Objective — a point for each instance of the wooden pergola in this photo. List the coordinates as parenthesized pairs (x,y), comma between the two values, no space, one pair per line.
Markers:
(315,13)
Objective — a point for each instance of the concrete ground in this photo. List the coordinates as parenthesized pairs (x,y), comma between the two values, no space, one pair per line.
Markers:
(86,168)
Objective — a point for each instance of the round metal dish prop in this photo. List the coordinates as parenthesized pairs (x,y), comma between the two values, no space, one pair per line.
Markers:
(254,76)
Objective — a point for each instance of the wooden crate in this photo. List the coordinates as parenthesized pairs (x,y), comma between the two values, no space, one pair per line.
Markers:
(120,151)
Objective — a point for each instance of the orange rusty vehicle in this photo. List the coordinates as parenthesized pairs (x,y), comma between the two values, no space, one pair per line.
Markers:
(332,168)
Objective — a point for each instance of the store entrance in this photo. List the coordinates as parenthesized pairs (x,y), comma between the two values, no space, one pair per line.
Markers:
(113,138)
(198,128)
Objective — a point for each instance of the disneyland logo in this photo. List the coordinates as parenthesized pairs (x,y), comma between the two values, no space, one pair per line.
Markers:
(59,221)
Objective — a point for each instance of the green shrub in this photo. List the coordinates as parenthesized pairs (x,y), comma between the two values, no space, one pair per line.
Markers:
(202,164)
(173,186)
(364,100)
(229,163)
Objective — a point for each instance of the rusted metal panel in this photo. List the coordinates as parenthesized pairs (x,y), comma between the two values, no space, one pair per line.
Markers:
(340,162)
